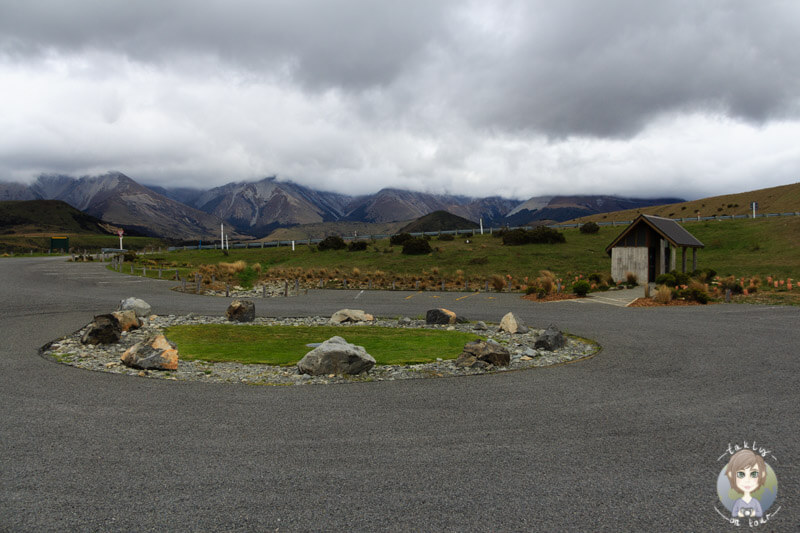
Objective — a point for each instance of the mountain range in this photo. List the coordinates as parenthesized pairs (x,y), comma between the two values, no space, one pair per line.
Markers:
(255,209)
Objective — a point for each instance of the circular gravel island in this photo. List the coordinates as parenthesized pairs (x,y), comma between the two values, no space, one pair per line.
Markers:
(106,358)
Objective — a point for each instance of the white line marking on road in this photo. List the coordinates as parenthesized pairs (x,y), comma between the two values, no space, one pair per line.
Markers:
(359,294)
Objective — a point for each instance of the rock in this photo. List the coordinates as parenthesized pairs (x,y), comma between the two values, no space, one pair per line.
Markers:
(551,339)
(440,316)
(241,311)
(466,360)
(489,352)
(104,329)
(480,326)
(405,321)
(512,324)
(336,356)
(127,320)
(350,315)
(140,307)
(154,353)
(526,358)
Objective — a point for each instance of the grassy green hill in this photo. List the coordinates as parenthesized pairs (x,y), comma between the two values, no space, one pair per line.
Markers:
(782,199)
(45,216)
(745,247)
(438,221)
(27,226)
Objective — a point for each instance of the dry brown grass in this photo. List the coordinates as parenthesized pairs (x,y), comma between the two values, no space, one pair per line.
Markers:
(498,282)
(233,268)
(663,294)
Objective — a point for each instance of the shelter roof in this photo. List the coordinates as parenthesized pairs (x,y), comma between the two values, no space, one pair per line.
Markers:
(666,227)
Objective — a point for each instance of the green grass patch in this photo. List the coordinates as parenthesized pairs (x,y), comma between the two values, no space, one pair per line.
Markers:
(286,345)
(742,247)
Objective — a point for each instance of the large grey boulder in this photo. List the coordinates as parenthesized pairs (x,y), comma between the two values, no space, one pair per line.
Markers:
(551,339)
(140,307)
(154,353)
(336,356)
(241,311)
(104,329)
(481,353)
(350,315)
(511,324)
(440,316)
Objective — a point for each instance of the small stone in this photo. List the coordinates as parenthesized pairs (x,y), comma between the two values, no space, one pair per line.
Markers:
(511,324)
(142,373)
(526,358)
(451,328)
(241,311)
(440,316)
(140,307)
(480,326)
(405,321)
(350,315)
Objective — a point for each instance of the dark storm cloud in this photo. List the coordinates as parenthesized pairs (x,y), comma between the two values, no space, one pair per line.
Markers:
(505,97)
(349,43)
(561,68)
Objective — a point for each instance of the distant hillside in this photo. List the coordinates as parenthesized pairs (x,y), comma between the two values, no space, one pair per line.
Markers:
(560,208)
(438,221)
(781,199)
(47,216)
(323,229)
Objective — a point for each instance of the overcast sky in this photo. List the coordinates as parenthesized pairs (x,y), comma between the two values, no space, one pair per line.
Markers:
(517,98)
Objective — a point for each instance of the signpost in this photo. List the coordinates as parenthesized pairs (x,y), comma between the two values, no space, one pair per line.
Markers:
(754,205)
(120,233)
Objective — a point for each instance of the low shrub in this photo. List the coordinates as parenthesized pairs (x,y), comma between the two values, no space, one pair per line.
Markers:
(631,280)
(538,235)
(446,237)
(357,246)
(697,292)
(731,283)
(663,294)
(331,242)
(581,287)
(666,279)
(416,247)
(590,228)
(399,239)
(596,277)
(498,282)
(247,277)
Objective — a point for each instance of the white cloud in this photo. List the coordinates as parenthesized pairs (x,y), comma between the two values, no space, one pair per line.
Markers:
(509,98)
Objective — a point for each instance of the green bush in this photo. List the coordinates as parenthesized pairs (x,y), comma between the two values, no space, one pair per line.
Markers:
(596,277)
(416,247)
(581,287)
(357,246)
(698,295)
(515,237)
(247,277)
(446,237)
(399,239)
(666,279)
(589,228)
(538,235)
(331,242)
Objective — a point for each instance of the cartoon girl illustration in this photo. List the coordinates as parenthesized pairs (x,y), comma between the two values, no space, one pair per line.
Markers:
(746,473)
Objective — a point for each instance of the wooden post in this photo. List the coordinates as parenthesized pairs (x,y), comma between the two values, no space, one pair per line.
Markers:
(727,296)
(227,290)
(159,273)
(393,285)
(297,285)
(683,259)
(199,282)
(320,283)
(344,283)
(131,269)
(487,285)
(466,283)
(183,284)
(442,285)
(417,286)
(263,290)
(369,284)
(285,288)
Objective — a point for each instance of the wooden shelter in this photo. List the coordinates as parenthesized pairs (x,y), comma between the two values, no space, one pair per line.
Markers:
(648,248)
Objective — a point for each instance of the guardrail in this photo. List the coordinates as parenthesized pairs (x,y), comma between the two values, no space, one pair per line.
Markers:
(308,242)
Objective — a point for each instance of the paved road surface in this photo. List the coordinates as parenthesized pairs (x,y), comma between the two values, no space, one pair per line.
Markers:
(627,441)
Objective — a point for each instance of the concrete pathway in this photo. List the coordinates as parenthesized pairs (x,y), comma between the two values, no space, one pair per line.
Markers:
(621,298)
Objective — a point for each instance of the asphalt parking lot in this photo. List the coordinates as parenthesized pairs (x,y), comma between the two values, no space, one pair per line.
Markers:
(626,441)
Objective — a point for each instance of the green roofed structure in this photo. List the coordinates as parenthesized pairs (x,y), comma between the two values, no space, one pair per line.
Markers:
(648,248)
